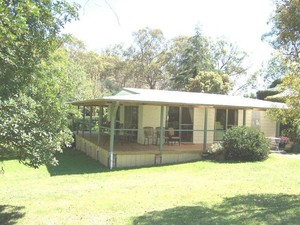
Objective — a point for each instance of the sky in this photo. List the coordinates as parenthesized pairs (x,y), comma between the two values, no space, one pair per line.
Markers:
(107,22)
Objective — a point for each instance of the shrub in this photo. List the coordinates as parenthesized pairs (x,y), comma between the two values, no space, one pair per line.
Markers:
(245,144)
(216,148)
(217,151)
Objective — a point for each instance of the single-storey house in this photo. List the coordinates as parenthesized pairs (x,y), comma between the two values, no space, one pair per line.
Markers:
(143,127)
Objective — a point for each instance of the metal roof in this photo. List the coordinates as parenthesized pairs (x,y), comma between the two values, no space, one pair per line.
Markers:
(161,97)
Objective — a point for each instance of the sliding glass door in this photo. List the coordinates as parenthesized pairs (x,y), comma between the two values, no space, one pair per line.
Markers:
(181,119)
(225,119)
(131,122)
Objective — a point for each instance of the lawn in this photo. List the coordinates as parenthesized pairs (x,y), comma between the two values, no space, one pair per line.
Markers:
(80,191)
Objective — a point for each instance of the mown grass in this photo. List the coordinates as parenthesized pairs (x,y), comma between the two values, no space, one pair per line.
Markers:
(80,191)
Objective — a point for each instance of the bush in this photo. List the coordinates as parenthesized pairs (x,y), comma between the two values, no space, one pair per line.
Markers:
(217,151)
(216,148)
(245,144)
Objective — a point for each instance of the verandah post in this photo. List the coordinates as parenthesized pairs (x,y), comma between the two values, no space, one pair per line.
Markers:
(91,118)
(115,106)
(205,131)
(161,135)
(83,122)
(99,124)
(77,122)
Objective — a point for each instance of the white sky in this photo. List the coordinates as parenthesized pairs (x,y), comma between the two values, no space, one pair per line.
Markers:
(242,22)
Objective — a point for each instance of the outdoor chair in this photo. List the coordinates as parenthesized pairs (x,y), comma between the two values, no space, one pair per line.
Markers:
(171,138)
(148,135)
(157,132)
(120,134)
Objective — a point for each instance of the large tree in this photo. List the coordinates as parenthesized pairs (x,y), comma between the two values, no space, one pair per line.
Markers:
(195,57)
(285,33)
(34,86)
(200,56)
(274,70)
(85,69)
(119,69)
(285,37)
(148,55)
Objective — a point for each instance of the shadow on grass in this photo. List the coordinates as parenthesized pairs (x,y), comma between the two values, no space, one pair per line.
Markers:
(244,209)
(10,214)
(72,161)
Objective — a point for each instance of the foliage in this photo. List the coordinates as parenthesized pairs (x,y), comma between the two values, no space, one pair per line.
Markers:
(196,57)
(265,93)
(118,70)
(149,57)
(229,60)
(29,31)
(199,55)
(153,62)
(209,82)
(285,22)
(34,133)
(245,144)
(83,68)
(285,38)
(34,83)
(290,116)
(274,70)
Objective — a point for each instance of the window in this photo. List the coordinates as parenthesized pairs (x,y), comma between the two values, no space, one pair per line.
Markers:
(225,119)
(181,119)
(255,121)
(131,117)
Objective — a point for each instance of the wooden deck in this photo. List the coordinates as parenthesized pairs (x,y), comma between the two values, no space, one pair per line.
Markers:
(122,146)
(130,154)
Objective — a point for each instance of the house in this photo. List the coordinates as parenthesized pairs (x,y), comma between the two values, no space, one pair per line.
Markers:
(197,120)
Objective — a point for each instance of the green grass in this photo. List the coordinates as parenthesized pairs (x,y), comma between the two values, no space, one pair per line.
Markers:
(79,191)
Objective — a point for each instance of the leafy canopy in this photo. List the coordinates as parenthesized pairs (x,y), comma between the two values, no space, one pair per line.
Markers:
(285,38)
(34,85)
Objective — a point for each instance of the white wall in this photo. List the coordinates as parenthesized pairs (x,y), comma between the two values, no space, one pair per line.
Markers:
(199,125)
(268,126)
(149,116)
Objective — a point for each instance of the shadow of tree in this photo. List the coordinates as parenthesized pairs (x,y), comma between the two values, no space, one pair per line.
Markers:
(72,161)
(10,214)
(245,209)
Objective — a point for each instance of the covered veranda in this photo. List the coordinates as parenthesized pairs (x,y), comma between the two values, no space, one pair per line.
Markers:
(201,120)
(106,141)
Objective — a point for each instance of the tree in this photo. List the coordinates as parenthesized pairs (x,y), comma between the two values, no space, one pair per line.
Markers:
(290,116)
(227,59)
(85,69)
(209,82)
(274,70)
(196,57)
(34,85)
(29,31)
(148,55)
(199,54)
(118,69)
(285,38)
(284,35)
(34,125)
